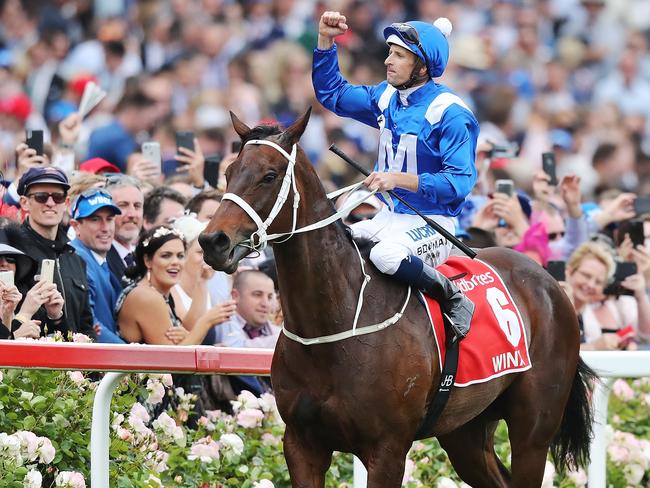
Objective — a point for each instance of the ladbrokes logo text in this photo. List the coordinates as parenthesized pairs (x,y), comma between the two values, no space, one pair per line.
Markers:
(466,285)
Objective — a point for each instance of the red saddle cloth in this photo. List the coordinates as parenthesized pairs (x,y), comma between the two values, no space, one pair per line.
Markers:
(496,344)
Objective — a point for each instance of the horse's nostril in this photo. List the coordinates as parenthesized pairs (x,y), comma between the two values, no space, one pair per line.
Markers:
(216,242)
(221,241)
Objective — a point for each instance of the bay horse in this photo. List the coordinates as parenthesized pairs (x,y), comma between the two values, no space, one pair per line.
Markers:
(368,394)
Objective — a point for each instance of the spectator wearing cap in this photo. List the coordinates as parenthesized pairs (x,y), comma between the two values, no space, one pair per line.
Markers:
(128,196)
(114,142)
(93,219)
(44,196)
(98,166)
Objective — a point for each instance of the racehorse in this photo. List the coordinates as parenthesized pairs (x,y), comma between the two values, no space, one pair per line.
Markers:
(368,394)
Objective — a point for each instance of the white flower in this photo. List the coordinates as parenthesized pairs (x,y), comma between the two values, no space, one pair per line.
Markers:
(33,479)
(29,443)
(70,479)
(232,442)
(10,448)
(579,477)
(118,418)
(166,380)
(167,425)
(245,400)
(250,417)
(157,461)
(446,483)
(156,392)
(81,338)
(1,377)
(634,474)
(46,451)
(77,378)
(137,419)
(266,402)
(264,484)
(139,412)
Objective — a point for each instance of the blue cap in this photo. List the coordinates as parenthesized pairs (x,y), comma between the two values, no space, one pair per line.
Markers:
(42,175)
(561,138)
(92,200)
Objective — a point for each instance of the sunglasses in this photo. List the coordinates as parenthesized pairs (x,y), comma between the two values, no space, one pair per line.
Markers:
(8,259)
(553,236)
(43,196)
(410,35)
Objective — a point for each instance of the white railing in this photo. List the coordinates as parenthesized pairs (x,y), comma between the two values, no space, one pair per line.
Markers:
(119,360)
(609,365)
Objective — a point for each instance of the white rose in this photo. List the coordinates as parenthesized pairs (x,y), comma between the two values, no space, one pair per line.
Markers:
(232,442)
(33,479)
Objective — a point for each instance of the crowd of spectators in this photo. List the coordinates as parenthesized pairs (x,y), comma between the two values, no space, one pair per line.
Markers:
(565,77)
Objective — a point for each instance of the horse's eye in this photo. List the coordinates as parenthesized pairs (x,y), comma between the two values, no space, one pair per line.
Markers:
(269,177)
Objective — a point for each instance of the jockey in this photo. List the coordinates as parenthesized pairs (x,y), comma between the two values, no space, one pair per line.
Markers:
(427,147)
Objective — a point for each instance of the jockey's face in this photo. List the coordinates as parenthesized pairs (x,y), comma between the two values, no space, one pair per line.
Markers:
(399,65)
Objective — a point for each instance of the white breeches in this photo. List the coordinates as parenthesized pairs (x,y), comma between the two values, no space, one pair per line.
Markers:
(401,235)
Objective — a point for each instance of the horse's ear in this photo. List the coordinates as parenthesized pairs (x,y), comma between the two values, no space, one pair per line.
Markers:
(241,128)
(292,134)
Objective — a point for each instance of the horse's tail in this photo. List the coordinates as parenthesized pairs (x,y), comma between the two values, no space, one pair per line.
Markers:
(570,446)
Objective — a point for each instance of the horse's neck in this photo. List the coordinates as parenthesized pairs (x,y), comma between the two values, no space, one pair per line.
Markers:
(319,273)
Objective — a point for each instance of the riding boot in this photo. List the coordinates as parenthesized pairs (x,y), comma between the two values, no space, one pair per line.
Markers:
(455,305)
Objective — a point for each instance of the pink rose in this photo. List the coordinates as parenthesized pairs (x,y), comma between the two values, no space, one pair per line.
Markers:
(622,390)
(250,417)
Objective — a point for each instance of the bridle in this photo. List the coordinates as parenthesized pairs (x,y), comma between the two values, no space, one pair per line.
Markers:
(289,183)
(260,239)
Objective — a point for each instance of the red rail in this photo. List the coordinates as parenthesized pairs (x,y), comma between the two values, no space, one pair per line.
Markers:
(134,357)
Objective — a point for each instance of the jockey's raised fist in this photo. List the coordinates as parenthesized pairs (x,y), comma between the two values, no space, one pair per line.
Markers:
(332,24)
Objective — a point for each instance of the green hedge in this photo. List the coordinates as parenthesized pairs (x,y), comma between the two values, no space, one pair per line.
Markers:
(45,422)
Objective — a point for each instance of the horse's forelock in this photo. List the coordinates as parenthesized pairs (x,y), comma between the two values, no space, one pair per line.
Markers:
(262,132)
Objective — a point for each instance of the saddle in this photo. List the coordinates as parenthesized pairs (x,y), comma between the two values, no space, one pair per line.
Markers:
(497,343)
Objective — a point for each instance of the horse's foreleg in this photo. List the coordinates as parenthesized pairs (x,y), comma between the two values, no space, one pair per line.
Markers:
(471,451)
(307,462)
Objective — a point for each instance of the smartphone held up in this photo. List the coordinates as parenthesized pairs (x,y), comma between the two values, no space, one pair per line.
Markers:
(548,166)
(506,187)
(34,140)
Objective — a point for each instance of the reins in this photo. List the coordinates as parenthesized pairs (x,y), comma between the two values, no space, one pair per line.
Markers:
(289,183)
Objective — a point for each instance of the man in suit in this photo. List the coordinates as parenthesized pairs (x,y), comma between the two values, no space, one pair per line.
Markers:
(93,219)
(128,197)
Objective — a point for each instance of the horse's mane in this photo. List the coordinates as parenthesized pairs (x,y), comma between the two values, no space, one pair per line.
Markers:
(364,244)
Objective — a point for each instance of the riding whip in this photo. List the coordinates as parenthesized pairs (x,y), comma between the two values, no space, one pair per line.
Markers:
(435,225)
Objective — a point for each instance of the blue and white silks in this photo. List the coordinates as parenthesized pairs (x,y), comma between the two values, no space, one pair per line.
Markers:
(432,134)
